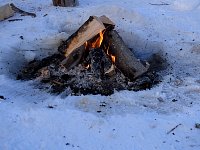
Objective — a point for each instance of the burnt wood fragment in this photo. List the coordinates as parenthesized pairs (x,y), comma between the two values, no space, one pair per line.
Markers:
(65,3)
(74,59)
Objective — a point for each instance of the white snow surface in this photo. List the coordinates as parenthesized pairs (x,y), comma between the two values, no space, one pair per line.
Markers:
(130,120)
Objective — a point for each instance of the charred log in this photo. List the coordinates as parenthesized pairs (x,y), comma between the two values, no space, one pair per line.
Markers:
(74,59)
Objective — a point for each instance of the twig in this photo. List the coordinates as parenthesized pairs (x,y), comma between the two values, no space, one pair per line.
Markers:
(159,4)
(174,128)
(21,11)
(31,50)
(57,82)
(11,20)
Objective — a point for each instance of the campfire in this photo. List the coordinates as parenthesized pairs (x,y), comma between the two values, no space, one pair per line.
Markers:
(93,60)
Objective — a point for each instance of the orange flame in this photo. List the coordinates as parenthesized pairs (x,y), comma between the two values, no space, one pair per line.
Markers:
(111,56)
(96,44)
(101,38)
(98,41)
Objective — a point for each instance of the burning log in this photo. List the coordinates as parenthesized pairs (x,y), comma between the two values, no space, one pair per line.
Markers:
(125,60)
(87,31)
(65,3)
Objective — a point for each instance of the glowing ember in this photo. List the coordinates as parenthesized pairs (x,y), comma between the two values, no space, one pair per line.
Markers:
(107,51)
(113,58)
(86,45)
(87,66)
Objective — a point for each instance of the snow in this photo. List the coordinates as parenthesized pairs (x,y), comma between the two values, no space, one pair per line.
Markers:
(184,5)
(129,120)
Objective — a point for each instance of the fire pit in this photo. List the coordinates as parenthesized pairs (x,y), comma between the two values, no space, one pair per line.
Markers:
(93,60)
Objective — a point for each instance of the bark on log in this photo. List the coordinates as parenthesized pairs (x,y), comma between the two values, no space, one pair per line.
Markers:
(109,24)
(125,60)
(65,3)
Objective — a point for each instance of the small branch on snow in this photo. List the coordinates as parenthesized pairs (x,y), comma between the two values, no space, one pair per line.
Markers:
(174,128)
(161,4)
(11,20)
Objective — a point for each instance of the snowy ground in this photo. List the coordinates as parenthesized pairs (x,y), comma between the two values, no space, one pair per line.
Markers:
(124,120)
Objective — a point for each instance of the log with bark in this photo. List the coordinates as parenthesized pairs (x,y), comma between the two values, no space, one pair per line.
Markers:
(87,31)
(125,60)
(8,10)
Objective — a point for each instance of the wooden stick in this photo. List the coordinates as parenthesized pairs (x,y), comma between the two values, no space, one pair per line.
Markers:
(12,20)
(174,128)
(161,4)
